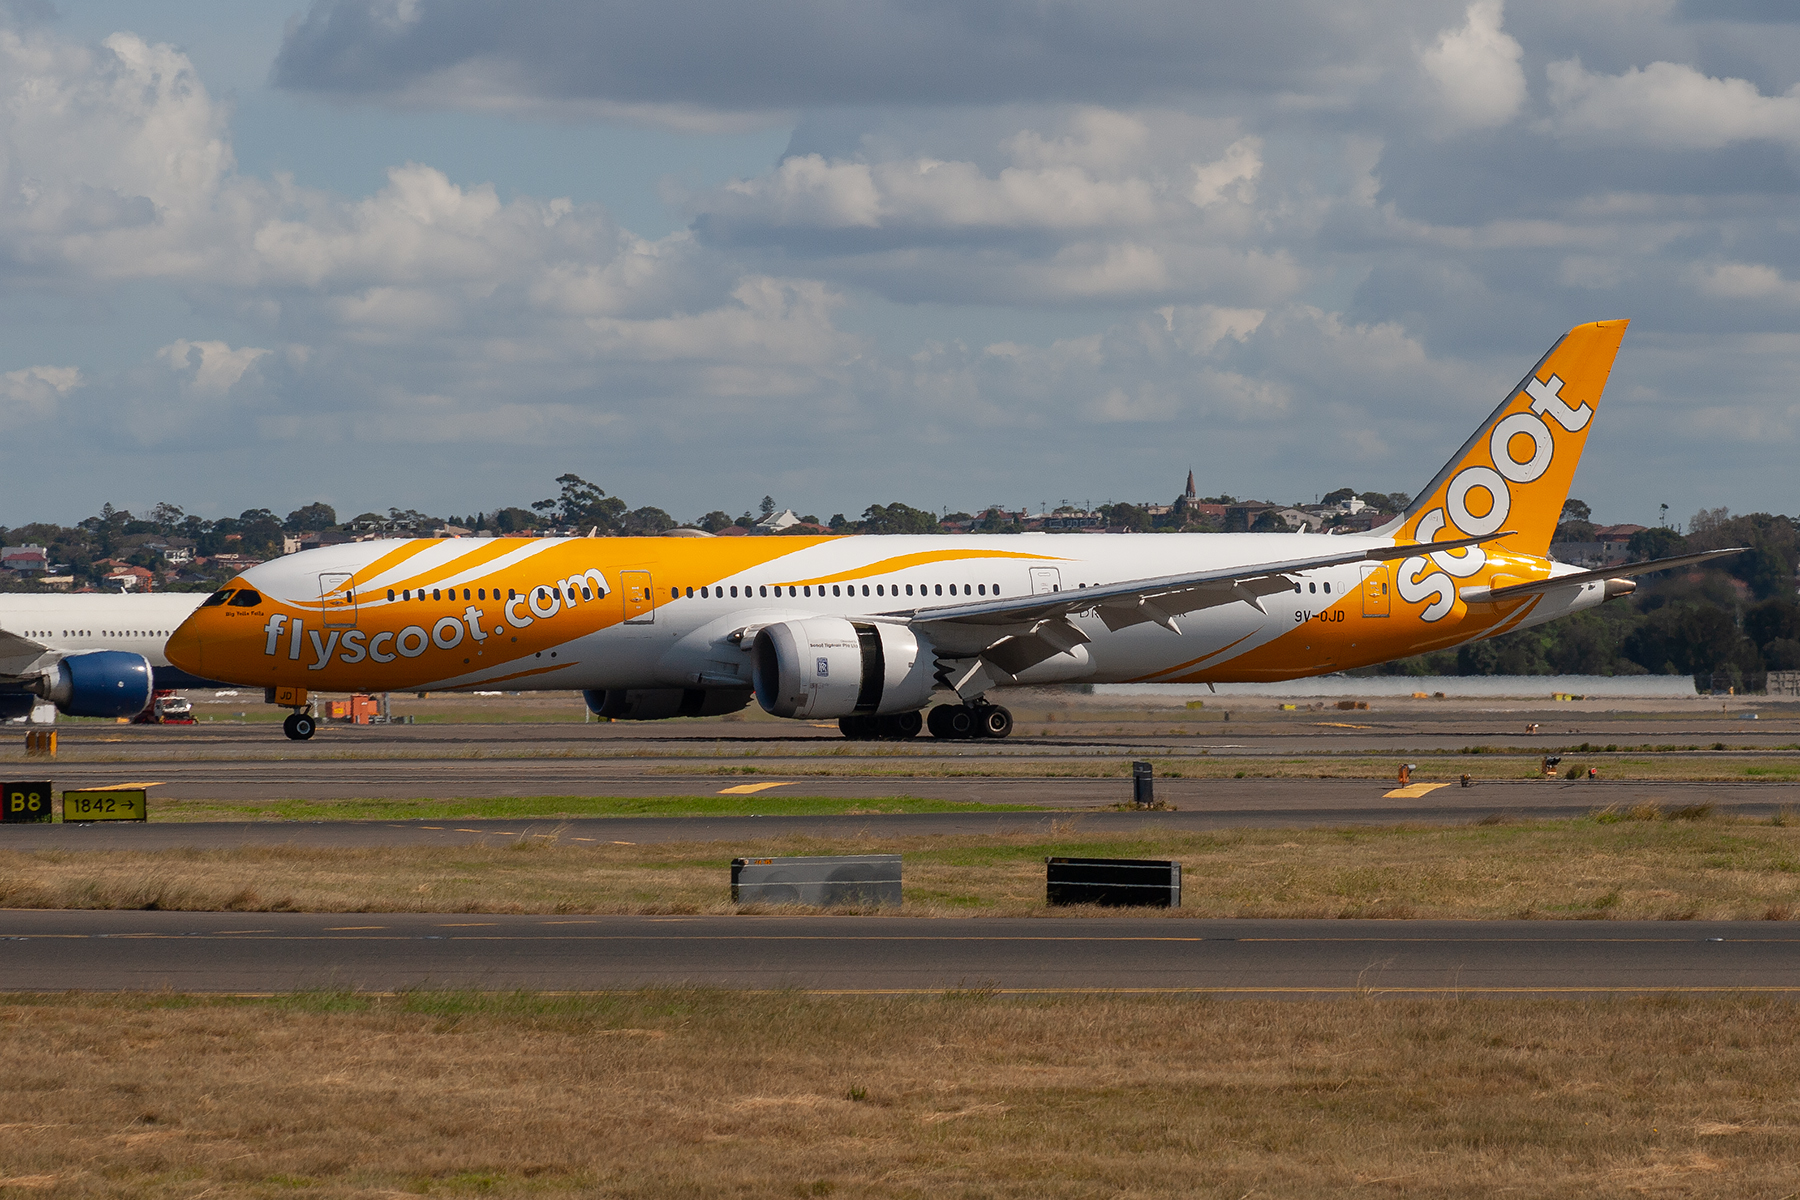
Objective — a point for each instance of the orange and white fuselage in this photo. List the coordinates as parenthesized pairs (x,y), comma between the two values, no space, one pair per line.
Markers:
(965,613)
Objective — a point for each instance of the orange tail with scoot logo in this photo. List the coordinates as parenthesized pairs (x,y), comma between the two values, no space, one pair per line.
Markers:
(1514,474)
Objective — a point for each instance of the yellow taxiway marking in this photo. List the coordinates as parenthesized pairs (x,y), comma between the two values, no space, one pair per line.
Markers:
(117,787)
(1342,725)
(469,831)
(350,928)
(746,789)
(1412,791)
(468,924)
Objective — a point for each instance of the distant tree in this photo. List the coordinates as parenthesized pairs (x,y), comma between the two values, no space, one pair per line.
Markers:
(714,521)
(167,518)
(1574,531)
(1576,510)
(768,505)
(582,504)
(898,518)
(1782,654)
(995,521)
(311,518)
(645,522)
(1127,516)
(1337,497)
(514,520)
(260,532)
(1659,542)
(1708,519)
(1773,621)
(839,524)
(1268,522)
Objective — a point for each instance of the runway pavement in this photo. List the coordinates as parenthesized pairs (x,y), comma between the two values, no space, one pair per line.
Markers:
(1222,804)
(262,952)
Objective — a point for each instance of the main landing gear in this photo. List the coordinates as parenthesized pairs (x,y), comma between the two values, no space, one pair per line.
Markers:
(895,727)
(299,726)
(978,720)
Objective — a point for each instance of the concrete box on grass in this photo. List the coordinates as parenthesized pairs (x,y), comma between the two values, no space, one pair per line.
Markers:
(823,880)
(1116,882)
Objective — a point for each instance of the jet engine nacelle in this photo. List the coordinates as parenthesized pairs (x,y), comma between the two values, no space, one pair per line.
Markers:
(657,704)
(832,667)
(100,683)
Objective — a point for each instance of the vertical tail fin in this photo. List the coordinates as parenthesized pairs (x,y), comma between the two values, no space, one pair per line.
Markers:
(1514,473)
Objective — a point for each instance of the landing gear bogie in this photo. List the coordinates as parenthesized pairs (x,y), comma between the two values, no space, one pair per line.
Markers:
(893,727)
(299,726)
(953,722)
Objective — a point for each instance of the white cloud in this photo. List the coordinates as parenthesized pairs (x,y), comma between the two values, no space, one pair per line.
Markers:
(1668,105)
(1746,281)
(1476,69)
(808,191)
(1232,177)
(35,391)
(209,368)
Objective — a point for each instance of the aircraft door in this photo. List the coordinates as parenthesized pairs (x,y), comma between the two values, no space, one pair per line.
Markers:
(337,600)
(1375,598)
(640,599)
(1045,580)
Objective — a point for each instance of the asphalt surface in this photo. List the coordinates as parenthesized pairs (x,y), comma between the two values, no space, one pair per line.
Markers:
(53,951)
(1220,804)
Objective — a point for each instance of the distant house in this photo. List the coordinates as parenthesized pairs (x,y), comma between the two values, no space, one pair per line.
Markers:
(25,558)
(1298,519)
(775,522)
(130,579)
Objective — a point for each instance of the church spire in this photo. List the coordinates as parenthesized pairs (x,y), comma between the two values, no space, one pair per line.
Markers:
(1190,487)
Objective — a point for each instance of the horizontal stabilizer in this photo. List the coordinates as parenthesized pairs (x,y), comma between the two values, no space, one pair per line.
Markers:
(1519,591)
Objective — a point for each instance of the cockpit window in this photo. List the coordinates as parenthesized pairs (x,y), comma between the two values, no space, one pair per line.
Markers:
(247,598)
(217,598)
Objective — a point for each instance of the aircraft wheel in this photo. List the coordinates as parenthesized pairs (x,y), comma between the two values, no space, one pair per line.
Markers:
(901,726)
(952,721)
(857,729)
(992,721)
(299,727)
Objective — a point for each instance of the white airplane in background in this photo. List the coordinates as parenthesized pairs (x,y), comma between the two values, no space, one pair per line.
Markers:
(868,629)
(90,655)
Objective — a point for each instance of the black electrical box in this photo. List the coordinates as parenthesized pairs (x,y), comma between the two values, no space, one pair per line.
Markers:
(1116,882)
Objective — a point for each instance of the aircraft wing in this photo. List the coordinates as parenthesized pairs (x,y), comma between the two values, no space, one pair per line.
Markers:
(1014,633)
(18,656)
(1519,591)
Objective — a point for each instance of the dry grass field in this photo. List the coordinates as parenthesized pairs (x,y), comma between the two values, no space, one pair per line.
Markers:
(1643,864)
(709,1094)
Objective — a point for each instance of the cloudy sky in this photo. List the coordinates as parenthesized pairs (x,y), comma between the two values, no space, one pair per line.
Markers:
(432,253)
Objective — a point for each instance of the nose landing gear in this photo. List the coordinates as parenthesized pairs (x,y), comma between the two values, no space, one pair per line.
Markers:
(955,721)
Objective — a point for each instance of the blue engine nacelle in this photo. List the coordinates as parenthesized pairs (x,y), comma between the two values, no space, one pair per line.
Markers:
(100,683)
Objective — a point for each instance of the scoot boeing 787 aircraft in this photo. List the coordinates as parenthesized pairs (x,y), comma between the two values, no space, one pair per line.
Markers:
(869,629)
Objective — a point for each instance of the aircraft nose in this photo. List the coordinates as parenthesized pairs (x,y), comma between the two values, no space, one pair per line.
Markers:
(185,648)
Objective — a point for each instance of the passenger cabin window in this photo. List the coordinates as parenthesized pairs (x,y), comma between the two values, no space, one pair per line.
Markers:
(762,590)
(212,601)
(246,599)
(1328,589)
